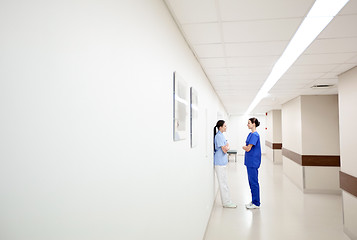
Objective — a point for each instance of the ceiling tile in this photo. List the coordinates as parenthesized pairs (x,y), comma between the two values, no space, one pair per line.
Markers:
(300,76)
(254,77)
(202,33)
(330,58)
(285,91)
(209,50)
(288,85)
(338,45)
(316,91)
(331,91)
(343,68)
(188,11)
(219,79)
(255,49)
(268,61)
(311,68)
(241,84)
(217,71)
(350,8)
(329,75)
(336,28)
(234,92)
(260,31)
(238,10)
(333,81)
(249,70)
(213,62)
(353,59)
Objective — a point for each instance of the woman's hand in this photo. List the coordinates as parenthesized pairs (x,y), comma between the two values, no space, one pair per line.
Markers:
(225,149)
(247,148)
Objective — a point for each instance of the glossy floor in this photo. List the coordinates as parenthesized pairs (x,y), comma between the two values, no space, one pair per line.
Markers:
(286,213)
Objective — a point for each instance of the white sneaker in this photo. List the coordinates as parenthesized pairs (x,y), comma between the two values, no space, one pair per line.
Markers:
(251,206)
(230,205)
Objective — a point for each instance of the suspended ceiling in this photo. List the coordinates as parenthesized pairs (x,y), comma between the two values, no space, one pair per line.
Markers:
(237,42)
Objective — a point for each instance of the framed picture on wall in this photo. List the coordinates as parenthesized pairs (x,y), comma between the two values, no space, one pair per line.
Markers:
(193,117)
(180,105)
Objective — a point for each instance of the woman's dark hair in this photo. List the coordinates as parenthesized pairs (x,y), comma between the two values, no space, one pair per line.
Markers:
(218,125)
(254,120)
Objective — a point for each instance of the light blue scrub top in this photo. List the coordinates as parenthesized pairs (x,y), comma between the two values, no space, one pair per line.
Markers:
(254,156)
(220,158)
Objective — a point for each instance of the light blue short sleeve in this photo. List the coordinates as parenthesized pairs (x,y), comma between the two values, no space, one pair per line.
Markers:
(219,141)
(220,158)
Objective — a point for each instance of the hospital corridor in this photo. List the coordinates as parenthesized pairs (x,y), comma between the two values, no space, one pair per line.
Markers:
(117,116)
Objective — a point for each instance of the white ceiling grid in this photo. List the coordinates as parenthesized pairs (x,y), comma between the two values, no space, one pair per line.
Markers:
(237,42)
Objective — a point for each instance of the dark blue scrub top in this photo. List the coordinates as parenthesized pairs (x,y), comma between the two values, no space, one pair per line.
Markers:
(254,156)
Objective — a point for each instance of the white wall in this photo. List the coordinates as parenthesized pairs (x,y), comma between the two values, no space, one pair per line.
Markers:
(322,180)
(320,133)
(270,126)
(86,108)
(269,152)
(294,172)
(349,214)
(291,125)
(274,135)
(347,85)
(237,131)
(277,126)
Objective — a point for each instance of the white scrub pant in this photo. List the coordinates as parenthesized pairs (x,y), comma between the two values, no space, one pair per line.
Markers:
(221,172)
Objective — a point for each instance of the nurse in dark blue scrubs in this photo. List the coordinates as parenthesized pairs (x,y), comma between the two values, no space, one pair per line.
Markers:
(252,160)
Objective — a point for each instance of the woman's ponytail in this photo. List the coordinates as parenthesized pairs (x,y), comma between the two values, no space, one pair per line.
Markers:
(218,125)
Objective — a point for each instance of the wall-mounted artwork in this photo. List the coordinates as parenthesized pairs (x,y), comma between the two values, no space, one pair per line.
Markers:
(180,108)
(193,117)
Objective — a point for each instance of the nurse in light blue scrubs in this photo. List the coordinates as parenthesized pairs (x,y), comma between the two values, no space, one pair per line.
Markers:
(252,160)
(221,148)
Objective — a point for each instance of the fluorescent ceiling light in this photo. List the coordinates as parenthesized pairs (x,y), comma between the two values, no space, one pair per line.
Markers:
(319,16)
